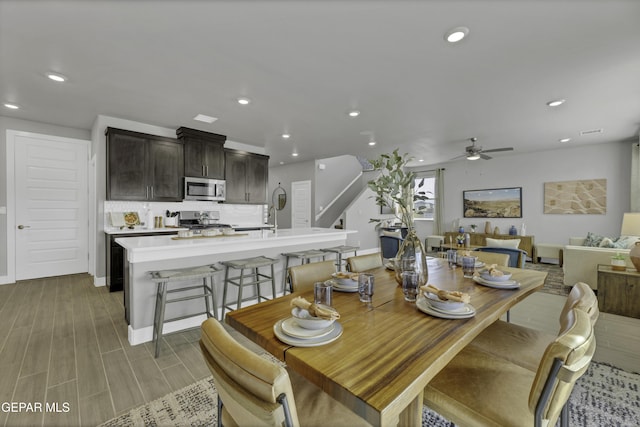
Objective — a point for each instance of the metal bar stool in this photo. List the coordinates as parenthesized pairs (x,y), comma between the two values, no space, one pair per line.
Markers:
(339,251)
(254,276)
(305,257)
(163,277)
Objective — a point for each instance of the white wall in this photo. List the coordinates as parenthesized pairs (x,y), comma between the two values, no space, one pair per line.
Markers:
(285,175)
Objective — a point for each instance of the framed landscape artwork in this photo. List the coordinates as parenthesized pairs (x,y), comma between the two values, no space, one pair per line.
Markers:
(493,203)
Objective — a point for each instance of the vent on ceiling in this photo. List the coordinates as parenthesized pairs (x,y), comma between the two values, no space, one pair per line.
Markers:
(590,132)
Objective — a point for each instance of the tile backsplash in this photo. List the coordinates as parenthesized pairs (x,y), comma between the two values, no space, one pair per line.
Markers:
(229,213)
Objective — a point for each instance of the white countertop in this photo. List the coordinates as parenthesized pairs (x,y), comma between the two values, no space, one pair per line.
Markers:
(163,247)
(141,229)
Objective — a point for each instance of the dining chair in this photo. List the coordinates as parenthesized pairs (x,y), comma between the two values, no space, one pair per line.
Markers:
(517,257)
(254,391)
(389,245)
(478,389)
(488,258)
(525,346)
(360,263)
(304,276)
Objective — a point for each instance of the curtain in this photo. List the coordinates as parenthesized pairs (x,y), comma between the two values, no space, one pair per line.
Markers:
(635,178)
(438,217)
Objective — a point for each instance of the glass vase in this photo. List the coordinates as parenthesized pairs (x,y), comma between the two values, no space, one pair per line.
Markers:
(412,257)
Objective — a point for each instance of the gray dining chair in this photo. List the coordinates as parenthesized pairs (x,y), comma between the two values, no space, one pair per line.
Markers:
(517,257)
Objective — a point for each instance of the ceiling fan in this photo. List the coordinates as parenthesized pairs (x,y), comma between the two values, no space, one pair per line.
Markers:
(475,152)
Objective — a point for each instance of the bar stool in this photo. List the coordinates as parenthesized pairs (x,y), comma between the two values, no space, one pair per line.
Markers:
(163,277)
(305,257)
(254,276)
(339,251)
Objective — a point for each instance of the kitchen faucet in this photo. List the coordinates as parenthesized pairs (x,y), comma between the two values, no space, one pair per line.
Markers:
(275,217)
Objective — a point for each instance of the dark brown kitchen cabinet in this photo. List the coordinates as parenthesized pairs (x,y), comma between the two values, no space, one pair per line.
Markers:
(247,175)
(203,153)
(143,167)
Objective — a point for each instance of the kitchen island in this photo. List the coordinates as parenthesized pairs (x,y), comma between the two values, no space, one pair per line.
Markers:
(144,254)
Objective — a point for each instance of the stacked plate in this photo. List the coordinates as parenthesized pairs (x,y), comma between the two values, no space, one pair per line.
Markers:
(498,284)
(344,283)
(290,332)
(463,312)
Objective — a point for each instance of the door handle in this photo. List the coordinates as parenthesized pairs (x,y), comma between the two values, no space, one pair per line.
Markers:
(152,192)
(203,172)
(21,227)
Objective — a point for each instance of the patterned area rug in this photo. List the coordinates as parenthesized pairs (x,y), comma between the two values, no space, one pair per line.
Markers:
(553,284)
(604,396)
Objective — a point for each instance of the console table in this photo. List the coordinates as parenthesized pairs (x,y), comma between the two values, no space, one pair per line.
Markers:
(619,291)
(480,239)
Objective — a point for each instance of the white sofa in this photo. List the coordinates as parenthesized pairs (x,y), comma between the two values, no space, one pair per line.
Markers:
(581,262)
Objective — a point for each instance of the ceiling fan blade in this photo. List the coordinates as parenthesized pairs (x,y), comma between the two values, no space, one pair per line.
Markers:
(484,156)
(495,150)
(458,157)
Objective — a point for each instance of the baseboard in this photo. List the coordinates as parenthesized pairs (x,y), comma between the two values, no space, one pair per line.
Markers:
(142,335)
(6,280)
(99,281)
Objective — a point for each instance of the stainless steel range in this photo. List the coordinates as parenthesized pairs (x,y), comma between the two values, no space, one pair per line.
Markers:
(200,220)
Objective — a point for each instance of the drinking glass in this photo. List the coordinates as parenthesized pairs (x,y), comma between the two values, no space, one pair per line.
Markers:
(468,266)
(365,287)
(452,257)
(322,293)
(410,285)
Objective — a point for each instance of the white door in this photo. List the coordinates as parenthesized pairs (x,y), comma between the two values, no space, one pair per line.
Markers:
(51,204)
(301,204)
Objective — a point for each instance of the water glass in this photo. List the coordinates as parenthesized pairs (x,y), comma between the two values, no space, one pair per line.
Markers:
(410,285)
(365,287)
(322,293)
(468,266)
(452,257)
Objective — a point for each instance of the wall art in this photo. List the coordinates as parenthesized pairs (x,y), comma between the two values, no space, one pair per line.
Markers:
(587,196)
(493,203)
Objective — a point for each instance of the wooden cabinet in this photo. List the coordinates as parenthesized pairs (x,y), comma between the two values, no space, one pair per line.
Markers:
(246,175)
(143,167)
(619,291)
(203,153)
(480,239)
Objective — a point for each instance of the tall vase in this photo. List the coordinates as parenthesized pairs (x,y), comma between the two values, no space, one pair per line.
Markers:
(412,256)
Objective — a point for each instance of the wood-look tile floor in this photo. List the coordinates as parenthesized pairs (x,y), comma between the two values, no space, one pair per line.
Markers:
(63,344)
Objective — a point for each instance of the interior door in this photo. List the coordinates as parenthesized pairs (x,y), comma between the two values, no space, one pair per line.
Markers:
(51,205)
(301,204)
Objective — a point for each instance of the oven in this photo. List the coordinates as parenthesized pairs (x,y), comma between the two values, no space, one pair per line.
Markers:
(204,189)
(197,221)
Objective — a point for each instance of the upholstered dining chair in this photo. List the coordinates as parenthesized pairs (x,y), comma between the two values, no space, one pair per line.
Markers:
(525,346)
(517,257)
(360,263)
(304,276)
(501,260)
(389,245)
(254,391)
(478,389)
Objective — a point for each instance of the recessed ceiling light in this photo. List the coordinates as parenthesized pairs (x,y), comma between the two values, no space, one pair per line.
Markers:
(556,102)
(204,118)
(294,154)
(286,135)
(12,106)
(372,143)
(421,160)
(56,77)
(354,113)
(244,101)
(564,140)
(456,34)
(282,163)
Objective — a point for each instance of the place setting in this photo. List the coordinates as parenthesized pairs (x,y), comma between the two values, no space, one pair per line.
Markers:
(492,277)
(310,324)
(444,304)
(344,281)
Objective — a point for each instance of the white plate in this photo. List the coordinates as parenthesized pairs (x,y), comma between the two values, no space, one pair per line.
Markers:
(424,306)
(290,327)
(479,264)
(340,288)
(507,284)
(389,266)
(307,342)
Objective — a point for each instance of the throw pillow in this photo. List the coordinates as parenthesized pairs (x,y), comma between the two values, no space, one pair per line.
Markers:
(606,243)
(593,240)
(625,242)
(503,243)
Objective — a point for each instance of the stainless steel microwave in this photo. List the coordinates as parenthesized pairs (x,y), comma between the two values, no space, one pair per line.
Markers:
(204,189)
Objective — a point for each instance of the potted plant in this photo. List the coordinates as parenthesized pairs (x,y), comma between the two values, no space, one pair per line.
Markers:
(618,262)
(394,189)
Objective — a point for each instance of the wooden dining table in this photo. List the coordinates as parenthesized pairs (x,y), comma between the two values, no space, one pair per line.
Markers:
(389,350)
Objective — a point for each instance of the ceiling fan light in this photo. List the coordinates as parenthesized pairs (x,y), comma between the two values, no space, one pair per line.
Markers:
(473,156)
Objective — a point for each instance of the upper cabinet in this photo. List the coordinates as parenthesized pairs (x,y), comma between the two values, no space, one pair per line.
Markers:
(203,153)
(143,167)
(247,175)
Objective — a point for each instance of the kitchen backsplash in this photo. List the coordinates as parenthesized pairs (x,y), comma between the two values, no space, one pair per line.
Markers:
(229,213)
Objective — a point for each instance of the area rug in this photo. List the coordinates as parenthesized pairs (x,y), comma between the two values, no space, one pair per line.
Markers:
(554,283)
(604,396)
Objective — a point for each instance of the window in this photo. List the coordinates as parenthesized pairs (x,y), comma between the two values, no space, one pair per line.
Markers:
(424,186)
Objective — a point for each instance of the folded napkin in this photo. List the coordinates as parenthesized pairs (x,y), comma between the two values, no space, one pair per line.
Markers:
(493,271)
(323,312)
(447,295)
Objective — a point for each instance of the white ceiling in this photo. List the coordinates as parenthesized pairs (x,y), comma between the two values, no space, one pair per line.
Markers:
(305,64)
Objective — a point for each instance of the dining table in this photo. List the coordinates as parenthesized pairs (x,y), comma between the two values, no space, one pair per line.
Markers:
(389,349)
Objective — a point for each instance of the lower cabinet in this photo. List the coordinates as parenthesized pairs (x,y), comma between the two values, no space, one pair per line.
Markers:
(115,258)
(619,291)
